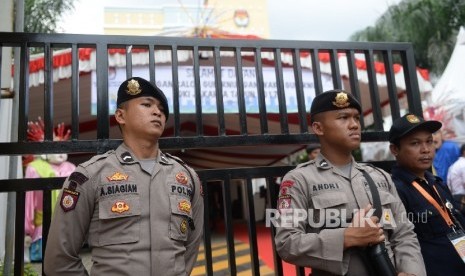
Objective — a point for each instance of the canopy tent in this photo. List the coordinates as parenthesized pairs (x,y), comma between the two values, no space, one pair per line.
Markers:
(448,96)
(199,158)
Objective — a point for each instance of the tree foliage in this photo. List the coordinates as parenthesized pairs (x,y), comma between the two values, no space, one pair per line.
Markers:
(430,25)
(42,16)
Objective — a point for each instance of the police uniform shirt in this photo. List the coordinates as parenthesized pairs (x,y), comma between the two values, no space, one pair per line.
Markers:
(438,253)
(318,186)
(135,223)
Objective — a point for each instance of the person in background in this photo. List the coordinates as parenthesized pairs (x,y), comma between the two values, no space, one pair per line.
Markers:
(456,180)
(41,166)
(335,183)
(141,210)
(428,202)
(313,150)
(447,152)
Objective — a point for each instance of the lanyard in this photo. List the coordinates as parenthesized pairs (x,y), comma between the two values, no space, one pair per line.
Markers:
(442,210)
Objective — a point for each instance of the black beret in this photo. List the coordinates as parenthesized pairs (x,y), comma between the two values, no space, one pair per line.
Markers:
(333,100)
(312,147)
(138,87)
(408,123)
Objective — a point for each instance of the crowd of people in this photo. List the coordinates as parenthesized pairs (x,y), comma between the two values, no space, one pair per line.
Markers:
(141,210)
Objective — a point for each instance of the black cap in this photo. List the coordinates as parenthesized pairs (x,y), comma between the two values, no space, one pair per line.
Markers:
(333,100)
(138,87)
(408,123)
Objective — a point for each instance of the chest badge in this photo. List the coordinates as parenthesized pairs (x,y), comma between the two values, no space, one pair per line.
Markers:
(183,226)
(184,206)
(117,176)
(181,178)
(120,207)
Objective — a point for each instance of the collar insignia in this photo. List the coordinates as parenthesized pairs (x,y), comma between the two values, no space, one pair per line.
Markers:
(117,176)
(341,100)
(126,156)
(323,163)
(133,87)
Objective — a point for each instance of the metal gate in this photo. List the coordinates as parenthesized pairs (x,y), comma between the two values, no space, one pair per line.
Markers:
(289,127)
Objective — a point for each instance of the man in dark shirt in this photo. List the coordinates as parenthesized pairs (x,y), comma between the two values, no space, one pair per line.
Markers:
(427,201)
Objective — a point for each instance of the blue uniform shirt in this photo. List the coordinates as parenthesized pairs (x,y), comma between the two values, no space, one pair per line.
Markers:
(439,255)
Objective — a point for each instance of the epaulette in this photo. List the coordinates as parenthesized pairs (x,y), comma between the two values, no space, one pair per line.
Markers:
(305,164)
(96,158)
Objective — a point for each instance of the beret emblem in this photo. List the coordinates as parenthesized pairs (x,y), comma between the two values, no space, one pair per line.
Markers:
(412,119)
(133,87)
(341,100)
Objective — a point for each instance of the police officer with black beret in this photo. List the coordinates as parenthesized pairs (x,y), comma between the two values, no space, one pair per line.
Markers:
(325,206)
(141,210)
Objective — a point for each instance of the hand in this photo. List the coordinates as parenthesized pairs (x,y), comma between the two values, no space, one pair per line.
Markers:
(363,231)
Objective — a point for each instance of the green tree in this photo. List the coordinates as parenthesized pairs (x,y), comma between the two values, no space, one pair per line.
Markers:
(42,16)
(430,25)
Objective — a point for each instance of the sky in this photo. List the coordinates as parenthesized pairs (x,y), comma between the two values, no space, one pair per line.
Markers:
(330,20)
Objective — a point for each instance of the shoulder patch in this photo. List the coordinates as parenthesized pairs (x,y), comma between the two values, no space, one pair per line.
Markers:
(96,158)
(69,199)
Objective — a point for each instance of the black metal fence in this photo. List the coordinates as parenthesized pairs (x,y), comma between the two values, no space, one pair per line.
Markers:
(201,52)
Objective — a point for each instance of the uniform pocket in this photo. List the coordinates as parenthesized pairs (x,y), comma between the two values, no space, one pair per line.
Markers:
(119,220)
(181,217)
(386,198)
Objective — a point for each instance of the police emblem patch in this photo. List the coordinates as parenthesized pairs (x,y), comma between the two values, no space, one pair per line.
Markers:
(117,176)
(119,207)
(341,100)
(184,206)
(181,178)
(183,226)
(69,199)
(284,202)
(133,87)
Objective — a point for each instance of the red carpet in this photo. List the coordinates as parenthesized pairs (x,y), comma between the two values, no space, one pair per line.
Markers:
(265,248)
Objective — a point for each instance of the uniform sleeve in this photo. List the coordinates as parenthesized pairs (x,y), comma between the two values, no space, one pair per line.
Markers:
(69,226)
(403,240)
(323,250)
(195,236)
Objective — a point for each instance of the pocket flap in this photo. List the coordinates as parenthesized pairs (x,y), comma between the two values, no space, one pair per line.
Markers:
(329,199)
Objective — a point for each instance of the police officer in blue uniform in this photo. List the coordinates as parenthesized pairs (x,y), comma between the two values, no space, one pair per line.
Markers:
(428,202)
